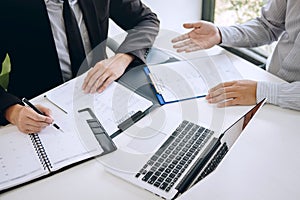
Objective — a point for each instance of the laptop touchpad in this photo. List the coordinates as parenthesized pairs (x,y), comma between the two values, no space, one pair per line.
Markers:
(148,144)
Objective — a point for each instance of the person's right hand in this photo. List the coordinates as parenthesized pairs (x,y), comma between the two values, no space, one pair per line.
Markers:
(26,119)
(203,36)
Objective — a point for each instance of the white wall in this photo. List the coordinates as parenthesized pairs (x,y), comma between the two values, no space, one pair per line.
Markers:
(171,13)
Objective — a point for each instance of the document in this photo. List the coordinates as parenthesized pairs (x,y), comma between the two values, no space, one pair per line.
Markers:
(192,78)
(112,107)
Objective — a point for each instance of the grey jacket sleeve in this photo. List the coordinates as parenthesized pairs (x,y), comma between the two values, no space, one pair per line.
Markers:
(260,31)
(141,24)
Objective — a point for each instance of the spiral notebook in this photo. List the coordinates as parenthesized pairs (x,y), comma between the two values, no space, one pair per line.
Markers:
(25,158)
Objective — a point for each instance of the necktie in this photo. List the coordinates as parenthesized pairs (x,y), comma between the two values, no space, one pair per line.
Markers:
(75,44)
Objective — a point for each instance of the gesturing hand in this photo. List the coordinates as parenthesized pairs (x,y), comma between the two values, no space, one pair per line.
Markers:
(203,36)
(105,72)
(241,92)
(27,120)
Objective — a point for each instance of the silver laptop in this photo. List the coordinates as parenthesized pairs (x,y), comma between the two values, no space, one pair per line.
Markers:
(187,156)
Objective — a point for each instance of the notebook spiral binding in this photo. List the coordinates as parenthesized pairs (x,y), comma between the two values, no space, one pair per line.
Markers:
(39,148)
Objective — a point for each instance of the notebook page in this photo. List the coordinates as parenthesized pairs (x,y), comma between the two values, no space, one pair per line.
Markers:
(74,144)
(19,162)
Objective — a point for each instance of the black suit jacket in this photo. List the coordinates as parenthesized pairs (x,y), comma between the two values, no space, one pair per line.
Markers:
(27,37)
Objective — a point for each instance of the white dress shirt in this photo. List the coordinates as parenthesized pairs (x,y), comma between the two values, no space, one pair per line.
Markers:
(55,8)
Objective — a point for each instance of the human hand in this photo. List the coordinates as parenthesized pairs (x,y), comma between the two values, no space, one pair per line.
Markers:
(242,92)
(203,36)
(27,120)
(105,72)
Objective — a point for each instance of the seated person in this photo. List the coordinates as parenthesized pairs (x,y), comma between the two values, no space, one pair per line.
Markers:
(35,36)
(279,21)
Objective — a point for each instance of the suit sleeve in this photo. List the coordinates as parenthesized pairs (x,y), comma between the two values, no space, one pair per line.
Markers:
(6,99)
(141,24)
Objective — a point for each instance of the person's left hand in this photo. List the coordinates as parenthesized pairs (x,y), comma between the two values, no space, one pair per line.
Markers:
(105,72)
(242,92)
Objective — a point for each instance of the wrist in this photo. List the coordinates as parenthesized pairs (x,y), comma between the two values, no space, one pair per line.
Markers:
(219,35)
(128,58)
(12,112)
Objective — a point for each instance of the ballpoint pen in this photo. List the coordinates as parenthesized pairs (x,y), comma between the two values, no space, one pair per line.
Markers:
(45,96)
(39,112)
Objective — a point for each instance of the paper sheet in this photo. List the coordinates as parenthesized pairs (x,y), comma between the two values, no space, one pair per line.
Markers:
(192,78)
(113,106)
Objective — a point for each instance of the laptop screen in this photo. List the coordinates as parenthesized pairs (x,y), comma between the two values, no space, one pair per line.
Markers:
(218,147)
(233,132)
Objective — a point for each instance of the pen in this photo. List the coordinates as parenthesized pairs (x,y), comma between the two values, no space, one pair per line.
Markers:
(55,104)
(39,112)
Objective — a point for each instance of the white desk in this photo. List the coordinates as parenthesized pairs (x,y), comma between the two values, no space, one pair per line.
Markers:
(263,164)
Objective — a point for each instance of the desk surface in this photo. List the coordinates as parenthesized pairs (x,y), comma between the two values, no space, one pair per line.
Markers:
(263,164)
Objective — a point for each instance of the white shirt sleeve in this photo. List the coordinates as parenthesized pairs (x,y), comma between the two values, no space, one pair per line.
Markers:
(285,95)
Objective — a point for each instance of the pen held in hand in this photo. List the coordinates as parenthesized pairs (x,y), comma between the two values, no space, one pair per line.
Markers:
(39,112)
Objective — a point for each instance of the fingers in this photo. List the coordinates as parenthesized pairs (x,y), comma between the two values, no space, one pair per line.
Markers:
(105,84)
(203,35)
(222,97)
(33,129)
(221,92)
(35,117)
(242,92)
(180,38)
(105,72)
(192,25)
(46,111)
(90,80)
(188,46)
(98,80)
(183,44)
(28,121)
(186,35)
(222,85)
(191,48)
(229,102)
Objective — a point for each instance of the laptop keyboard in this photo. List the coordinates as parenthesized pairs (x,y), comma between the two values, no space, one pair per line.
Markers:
(169,162)
(212,165)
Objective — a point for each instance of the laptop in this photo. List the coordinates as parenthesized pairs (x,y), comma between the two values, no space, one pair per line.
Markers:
(187,156)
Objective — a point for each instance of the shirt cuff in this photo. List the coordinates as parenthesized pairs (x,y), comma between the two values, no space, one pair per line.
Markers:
(267,90)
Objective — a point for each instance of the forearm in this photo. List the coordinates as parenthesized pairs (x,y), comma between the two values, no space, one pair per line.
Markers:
(138,41)
(141,24)
(6,100)
(259,31)
(250,34)
(286,95)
